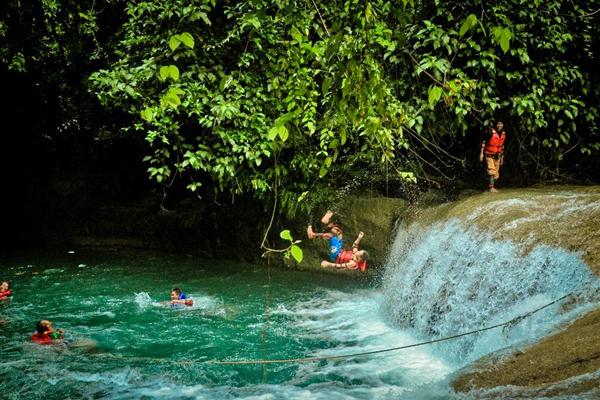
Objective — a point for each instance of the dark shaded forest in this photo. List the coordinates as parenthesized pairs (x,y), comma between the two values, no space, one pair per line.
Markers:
(152,118)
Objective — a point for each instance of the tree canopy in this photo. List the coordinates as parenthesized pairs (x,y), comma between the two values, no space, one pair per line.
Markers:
(301,98)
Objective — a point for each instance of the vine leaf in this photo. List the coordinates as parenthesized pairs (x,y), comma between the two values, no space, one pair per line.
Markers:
(435,93)
(297,253)
(175,41)
(285,234)
(187,39)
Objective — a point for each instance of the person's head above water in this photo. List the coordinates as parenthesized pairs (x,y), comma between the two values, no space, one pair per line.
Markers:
(175,293)
(4,286)
(43,326)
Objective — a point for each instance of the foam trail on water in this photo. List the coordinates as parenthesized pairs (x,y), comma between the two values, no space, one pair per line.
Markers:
(353,323)
(143,300)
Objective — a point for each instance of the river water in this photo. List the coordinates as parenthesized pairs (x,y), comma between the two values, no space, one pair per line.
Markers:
(123,342)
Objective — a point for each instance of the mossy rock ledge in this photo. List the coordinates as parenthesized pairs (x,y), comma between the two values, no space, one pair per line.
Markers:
(565,364)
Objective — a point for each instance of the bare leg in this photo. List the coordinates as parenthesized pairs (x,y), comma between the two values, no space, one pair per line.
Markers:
(327,217)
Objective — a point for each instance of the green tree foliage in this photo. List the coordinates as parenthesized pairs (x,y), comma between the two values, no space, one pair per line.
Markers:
(233,96)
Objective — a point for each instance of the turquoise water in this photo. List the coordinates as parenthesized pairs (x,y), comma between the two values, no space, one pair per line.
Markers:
(122,342)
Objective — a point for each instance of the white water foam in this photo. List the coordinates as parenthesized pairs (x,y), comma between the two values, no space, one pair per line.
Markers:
(446,280)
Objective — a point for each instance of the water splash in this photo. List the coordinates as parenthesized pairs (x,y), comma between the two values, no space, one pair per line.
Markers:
(449,279)
(143,300)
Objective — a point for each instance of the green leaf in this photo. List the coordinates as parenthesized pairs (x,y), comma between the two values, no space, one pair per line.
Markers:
(147,114)
(273,132)
(171,99)
(285,234)
(435,92)
(225,81)
(343,137)
(470,22)
(297,253)
(164,73)
(296,34)
(187,39)
(173,72)
(505,37)
(302,196)
(283,133)
(174,42)
(326,85)
(176,90)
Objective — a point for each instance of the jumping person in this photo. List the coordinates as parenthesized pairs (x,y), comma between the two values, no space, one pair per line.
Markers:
(492,147)
(339,258)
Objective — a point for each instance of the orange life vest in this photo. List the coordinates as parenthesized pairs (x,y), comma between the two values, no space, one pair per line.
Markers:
(347,256)
(495,144)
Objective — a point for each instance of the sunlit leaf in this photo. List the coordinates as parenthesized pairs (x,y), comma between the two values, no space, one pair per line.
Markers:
(187,39)
(434,95)
(297,253)
(174,72)
(285,234)
(174,42)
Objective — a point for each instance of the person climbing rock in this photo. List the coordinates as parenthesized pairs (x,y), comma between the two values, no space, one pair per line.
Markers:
(492,147)
(339,258)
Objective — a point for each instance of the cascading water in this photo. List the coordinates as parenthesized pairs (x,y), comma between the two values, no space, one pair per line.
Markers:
(447,279)
(477,265)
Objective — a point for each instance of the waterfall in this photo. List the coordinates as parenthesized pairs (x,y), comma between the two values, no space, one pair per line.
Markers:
(452,276)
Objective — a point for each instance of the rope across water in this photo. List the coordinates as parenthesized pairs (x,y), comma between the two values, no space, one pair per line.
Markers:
(510,322)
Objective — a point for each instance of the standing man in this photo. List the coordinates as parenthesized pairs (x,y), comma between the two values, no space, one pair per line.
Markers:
(492,147)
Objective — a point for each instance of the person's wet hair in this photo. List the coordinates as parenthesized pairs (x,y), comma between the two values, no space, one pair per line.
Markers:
(40,327)
(365,255)
(177,291)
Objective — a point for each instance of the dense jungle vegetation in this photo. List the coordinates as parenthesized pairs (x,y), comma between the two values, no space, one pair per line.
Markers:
(296,99)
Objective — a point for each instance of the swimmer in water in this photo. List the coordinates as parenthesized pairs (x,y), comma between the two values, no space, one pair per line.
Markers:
(5,291)
(45,333)
(178,297)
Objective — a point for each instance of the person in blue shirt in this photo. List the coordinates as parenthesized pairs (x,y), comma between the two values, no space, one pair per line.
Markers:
(179,297)
(335,236)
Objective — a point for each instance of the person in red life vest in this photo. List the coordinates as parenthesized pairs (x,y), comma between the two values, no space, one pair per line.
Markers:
(492,147)
(350,259)
(338,257)
(45,333)
(5,290)
(178,297)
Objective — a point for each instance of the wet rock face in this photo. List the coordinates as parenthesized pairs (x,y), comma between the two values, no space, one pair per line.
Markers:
(562,218)
(565,363)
